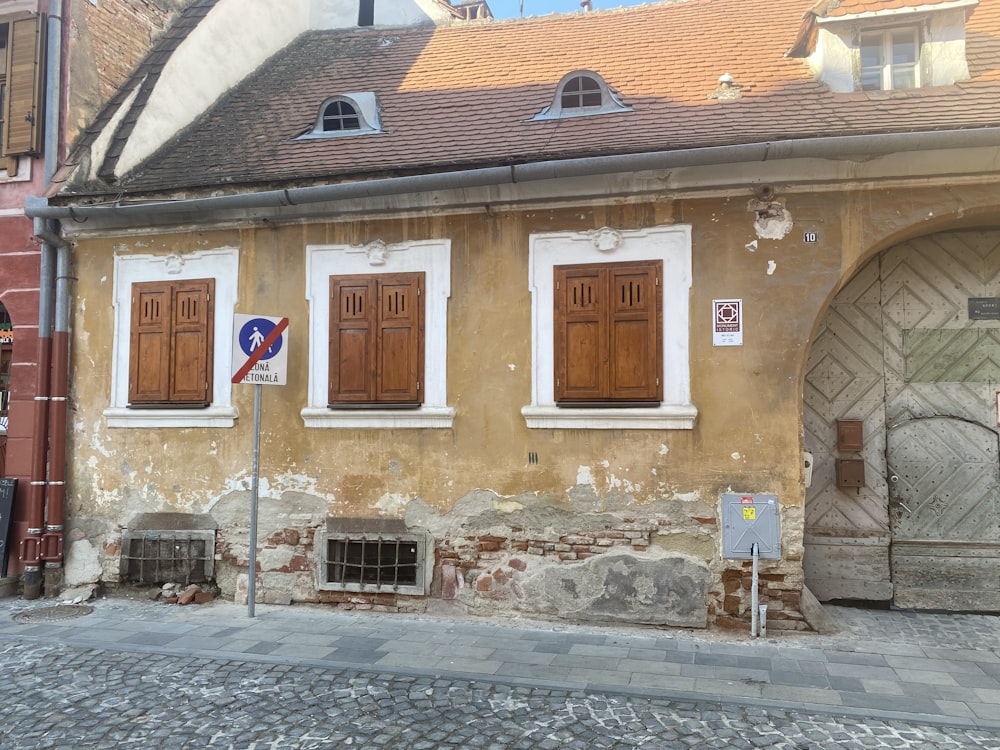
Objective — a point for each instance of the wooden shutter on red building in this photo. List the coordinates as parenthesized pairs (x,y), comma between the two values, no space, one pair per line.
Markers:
(171,342)
(23,110)
(376,340)
(608,340)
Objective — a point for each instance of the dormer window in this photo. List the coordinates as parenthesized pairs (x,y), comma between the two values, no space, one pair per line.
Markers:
(890,59)
(885,46)
(346,115)
(582,93)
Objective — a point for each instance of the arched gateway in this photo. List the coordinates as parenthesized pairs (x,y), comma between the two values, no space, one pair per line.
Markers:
(901,400)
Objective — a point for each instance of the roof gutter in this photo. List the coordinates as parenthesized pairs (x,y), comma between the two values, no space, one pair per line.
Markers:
(840,147)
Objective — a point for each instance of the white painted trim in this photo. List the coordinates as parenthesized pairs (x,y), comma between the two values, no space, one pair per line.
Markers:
(609,102)
(222,264)
(671,245)
(433,257)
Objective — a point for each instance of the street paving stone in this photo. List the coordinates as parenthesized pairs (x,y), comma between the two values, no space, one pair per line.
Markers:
(138,674)
(63,696)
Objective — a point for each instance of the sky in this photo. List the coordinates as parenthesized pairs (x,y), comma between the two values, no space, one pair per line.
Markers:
(511,8)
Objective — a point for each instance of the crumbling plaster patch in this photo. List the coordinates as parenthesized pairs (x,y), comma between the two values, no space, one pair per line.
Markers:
(773,221)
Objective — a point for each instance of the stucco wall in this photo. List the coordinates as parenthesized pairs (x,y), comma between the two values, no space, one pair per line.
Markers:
(608,524)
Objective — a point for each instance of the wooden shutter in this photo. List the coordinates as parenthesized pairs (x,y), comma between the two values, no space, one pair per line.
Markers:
(400,344)
(171,342)
(607,337)
(150,345)
(376,339)
(580,333)
(191,341)
(23,111)
(635,340)
(352,332)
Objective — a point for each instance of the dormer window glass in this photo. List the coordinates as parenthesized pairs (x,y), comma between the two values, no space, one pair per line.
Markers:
(579,94)
(890,59)
(581,91)
(340,115)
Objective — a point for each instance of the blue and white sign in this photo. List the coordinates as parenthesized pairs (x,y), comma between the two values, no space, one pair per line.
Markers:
(260,353)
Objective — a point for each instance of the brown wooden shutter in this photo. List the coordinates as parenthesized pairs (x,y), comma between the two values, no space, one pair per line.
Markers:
(607,336)
(23,111)
(191,341)
(400,344)
(376,339)
(150,345)
(635,343)
(172,342)
(580,333)
(353,309)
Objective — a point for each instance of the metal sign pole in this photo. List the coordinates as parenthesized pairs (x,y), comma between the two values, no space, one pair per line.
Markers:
(252,574)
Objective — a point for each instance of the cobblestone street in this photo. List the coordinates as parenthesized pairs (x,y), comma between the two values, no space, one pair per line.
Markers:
(64,696)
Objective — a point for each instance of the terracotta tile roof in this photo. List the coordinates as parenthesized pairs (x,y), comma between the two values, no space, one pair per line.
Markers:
(852,7)
(464,96)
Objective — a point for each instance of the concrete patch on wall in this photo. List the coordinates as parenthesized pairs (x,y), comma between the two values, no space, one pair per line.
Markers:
(624,588)
(601,559)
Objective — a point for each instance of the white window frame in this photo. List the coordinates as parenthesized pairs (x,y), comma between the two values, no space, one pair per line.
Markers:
(366,106)
(888,67)
(669,244)
(221,264)
(609,102)
(433,257)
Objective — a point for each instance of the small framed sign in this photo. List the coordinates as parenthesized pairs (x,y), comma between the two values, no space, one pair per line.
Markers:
(727,322)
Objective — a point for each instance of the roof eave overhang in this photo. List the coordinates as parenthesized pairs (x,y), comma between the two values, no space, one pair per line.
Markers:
(264,203)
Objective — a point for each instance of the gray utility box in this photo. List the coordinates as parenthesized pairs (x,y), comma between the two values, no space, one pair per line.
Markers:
(749,519)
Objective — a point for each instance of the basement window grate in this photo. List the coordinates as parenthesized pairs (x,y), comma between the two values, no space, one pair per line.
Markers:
(168,556)
(373,562)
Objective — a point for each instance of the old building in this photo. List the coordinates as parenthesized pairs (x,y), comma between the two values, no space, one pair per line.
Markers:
(580,308)
(60,60)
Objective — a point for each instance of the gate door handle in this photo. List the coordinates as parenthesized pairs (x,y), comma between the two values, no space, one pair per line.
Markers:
(903,505)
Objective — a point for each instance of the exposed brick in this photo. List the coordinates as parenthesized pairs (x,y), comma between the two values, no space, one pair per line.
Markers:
(568,556)
(489,538)
(276,539)
(610,534)
(639,547)
(292,537)
(518,564)
(705,520)
(203,597)
(499,576)
(488,546)
(731,605)
(484,582)
(577,540)
(188,595)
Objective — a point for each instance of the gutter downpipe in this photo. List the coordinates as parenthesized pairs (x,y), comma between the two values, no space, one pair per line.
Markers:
(48,476)
(835,147)
(55,495)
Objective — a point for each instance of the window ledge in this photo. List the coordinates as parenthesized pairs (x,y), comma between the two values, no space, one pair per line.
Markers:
(664,417)
(424,417)
(213,416)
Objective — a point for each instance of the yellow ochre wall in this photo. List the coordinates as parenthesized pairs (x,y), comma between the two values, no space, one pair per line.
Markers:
(509,534)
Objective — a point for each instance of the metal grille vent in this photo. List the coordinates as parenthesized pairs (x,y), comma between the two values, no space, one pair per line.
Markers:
(164,556)
(373,561)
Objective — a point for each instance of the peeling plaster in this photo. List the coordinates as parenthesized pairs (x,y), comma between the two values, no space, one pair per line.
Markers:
(771,267)
(751,246)
(392,504)
(583,476)
(773,220)
(663,449)
(735,456)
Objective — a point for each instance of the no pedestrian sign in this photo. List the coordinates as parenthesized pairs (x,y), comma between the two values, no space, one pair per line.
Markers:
(260,351)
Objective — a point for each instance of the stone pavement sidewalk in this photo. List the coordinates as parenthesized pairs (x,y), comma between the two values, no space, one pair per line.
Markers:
(931,668)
